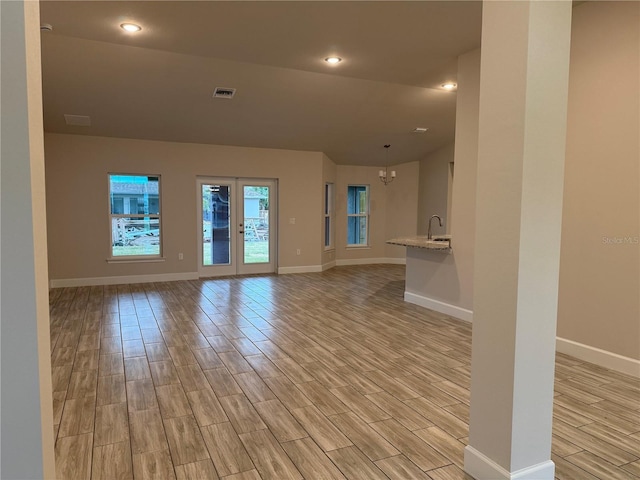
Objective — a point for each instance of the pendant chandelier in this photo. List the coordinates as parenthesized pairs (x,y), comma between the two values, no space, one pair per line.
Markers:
(383,175)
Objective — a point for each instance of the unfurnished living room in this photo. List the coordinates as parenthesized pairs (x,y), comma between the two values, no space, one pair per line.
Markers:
(320,239)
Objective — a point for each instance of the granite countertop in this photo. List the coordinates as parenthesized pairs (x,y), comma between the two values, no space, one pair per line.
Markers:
(420,241)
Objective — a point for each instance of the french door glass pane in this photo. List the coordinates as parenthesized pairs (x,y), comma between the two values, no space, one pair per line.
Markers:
(216,241)
(256,224)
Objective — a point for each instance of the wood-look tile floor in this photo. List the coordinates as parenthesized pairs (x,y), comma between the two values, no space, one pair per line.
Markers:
(315,376)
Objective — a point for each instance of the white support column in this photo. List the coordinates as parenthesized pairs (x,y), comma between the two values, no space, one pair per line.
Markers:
(522,130)
(26,400)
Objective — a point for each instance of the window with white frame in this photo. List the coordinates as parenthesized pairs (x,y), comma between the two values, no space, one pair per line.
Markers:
(357,215)
(134,213)
(328,216)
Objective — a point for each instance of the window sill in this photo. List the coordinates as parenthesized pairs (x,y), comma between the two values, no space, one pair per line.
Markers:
(135,260)
(358,247)
(329,249)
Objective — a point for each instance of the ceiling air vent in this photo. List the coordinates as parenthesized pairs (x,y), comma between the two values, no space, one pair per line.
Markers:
(221,92)
(77,120)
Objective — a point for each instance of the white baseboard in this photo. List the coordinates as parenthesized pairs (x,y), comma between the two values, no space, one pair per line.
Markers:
(438,306)
(371,261)
(343,262)
(603,358)
(124,279)
(395,261)
(328,265)
(300,269)
(481,467)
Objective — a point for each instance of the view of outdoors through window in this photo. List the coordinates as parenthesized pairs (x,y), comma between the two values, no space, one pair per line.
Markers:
(357,214)
(135,215)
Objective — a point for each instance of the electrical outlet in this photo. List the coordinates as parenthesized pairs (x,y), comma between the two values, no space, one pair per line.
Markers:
(298,252)
(181,256)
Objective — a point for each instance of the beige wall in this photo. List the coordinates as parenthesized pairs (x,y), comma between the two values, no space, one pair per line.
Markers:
(434,189)
(599,301)
(77,202)
(26,416)
(39,247)
(398,199)
(463,208)
(402,206)
(437,276)
(77,199)
(599,291)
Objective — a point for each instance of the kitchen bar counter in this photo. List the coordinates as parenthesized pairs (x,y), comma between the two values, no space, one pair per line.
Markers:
(431,276)
(439,243)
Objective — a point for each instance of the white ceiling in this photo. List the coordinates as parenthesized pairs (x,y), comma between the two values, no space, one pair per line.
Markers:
(158,83)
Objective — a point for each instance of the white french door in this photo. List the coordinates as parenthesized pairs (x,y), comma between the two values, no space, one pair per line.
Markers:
(237,223)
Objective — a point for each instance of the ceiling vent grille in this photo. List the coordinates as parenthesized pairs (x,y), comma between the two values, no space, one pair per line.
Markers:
(77,120)
(221,92)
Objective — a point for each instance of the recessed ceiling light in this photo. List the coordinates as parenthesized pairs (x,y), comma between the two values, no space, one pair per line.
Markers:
(449,86)
(420,130)
(130,27)
(333,60)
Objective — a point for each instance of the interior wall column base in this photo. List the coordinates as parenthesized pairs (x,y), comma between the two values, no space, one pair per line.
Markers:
(482,467)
